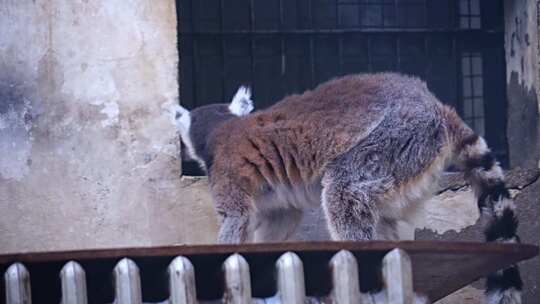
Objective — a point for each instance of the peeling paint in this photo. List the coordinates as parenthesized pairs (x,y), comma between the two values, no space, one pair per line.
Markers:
(111,110)
(99,71)
(522,124)
(522,77)
(520,52)
(452,210)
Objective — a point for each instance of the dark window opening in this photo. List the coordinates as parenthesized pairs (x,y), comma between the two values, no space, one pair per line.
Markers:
(473,91)
(282,47)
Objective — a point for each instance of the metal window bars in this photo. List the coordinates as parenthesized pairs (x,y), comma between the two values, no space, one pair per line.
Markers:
(473,91)
(284,47)
(469,14)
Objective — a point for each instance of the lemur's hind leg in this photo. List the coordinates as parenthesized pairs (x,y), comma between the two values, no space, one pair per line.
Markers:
(276,225)
(234,208)
(351,204)
(234,228)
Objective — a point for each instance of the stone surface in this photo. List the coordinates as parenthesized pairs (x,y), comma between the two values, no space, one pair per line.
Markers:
(521,54)
(525,188)
(87,156)
(466,295)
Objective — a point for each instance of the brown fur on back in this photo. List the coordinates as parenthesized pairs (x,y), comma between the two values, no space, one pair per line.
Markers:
(291,142)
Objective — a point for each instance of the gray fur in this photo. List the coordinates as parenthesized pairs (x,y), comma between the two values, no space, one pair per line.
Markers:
(203,121)
(357,184)
(276,225)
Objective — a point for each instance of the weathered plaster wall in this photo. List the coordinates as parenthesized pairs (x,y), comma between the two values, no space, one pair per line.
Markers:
(521,48)
(87,157)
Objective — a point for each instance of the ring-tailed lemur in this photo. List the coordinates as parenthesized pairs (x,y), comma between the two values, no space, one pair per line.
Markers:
(366,147)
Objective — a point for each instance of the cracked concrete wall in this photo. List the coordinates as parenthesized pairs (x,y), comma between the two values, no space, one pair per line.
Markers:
(521,53)
(87,157)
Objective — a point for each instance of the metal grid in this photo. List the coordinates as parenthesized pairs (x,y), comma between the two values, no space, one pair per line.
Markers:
(473,91)
(312,16)
(469,14)
(283,47)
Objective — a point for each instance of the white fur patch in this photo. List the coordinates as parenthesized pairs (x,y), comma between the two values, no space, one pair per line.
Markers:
(241,103)
(509,296)
(182,120)
(507,241)
(479,148)
(495,173)
(503,204)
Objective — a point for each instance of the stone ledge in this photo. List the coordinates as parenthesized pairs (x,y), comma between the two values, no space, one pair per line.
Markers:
(517,178)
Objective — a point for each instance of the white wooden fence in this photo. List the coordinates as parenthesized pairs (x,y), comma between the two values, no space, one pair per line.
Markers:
(397,276)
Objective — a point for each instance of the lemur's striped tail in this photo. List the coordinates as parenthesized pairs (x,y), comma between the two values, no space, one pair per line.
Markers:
(496,206)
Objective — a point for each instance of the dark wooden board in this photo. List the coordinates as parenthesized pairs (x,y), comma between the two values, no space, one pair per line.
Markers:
(439,268)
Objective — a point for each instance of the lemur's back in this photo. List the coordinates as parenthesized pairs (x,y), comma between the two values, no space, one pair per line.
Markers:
(292,141)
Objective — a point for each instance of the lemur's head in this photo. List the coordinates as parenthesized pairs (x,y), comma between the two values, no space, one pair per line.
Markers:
(195,126)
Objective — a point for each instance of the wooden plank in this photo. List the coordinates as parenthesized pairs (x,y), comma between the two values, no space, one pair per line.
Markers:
(17,280)
(290,279)
(127,283)
(237,281)
(515,251)
(345,283)
(397,276)
(439,268)
(182,288)
(73,284)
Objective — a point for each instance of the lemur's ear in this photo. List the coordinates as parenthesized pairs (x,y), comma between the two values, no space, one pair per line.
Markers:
(241,103)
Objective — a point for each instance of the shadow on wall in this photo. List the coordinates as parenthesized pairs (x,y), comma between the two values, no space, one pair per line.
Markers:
(16,115)
(522,123)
